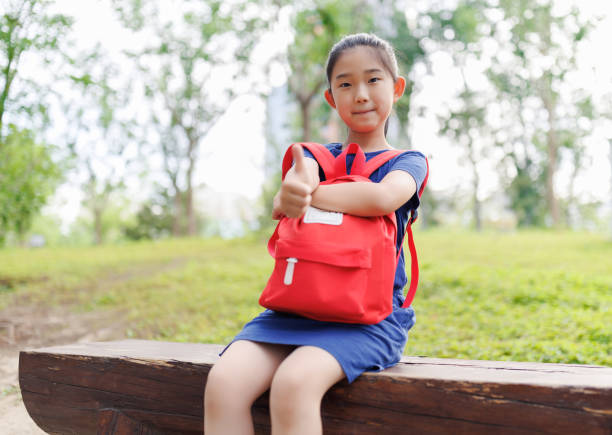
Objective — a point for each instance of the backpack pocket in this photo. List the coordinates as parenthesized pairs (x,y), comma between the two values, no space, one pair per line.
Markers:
(323,281)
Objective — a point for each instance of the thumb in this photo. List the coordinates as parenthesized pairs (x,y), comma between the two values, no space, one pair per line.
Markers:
(298,158)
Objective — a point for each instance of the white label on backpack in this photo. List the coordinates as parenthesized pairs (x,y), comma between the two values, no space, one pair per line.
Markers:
(317,216)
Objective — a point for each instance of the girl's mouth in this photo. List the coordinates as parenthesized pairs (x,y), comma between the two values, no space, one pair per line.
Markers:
(363,112)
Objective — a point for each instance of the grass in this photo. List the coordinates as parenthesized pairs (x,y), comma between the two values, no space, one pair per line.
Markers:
(528,296)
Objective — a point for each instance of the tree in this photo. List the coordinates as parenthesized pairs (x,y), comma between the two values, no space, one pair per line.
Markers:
(544,47)
(28,176)
(407,44)
(153,220)
(610,156)
(26,27)
(96,135)
(189,72)
(573,129)
(458,31)
(28,173)
(522,165)
(463,126)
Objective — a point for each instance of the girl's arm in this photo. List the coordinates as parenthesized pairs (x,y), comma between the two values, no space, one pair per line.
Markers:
(301,180)
(365,198)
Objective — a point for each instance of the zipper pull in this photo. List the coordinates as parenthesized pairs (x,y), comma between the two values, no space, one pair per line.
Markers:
(289,271)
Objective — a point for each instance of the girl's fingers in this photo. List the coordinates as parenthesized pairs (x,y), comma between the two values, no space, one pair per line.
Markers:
(298,158)
(297,188)
(296,206)
(297,200)
(294,198)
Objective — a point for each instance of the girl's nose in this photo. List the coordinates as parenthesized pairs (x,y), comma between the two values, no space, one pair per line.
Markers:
(361,95)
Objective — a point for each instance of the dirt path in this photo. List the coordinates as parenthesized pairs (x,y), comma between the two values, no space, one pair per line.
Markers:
(35,327)
(27,326)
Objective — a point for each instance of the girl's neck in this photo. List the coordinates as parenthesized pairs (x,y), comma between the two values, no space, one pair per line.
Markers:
(367,141)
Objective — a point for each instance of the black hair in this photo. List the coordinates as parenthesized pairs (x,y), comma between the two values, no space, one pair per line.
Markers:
(382,48)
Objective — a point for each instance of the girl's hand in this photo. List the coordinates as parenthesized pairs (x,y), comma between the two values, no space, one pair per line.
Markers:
(276,212)
(294,196)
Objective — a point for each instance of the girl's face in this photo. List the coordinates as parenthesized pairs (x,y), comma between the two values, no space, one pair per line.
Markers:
(363,90)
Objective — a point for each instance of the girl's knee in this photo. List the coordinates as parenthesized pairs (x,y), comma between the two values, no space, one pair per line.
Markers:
(223,390)
(291,387)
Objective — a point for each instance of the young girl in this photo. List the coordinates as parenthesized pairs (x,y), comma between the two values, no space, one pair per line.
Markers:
(297,358)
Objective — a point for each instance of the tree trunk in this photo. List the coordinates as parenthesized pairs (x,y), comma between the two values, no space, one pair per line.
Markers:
(552,145)
(477,213)
(552,141)
(191,222)
(178,213)
(476,183)
(97,212)
(305,109)
(571,198)
(189,209)
(610,140)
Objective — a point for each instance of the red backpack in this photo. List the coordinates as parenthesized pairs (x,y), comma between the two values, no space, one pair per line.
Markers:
(332,266)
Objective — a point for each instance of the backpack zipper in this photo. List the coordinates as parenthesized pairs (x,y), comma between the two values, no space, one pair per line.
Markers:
(289,271)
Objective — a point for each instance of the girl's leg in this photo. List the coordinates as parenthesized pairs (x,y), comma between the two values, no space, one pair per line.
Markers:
(297,389)
(241,375)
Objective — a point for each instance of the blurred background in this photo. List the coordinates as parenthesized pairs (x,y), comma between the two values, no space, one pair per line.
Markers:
(130,120)
(140,148)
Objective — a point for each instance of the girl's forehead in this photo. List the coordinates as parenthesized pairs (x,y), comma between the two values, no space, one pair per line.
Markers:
(357,60)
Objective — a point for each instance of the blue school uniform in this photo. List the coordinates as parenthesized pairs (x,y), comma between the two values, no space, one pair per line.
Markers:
(356,347)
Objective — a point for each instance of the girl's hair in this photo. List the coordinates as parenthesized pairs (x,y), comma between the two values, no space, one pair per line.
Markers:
(382,48)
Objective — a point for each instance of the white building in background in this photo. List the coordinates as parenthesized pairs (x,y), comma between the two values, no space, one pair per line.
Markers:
(227,214)
(278,135)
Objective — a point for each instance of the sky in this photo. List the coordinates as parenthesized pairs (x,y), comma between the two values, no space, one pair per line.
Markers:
(237,141)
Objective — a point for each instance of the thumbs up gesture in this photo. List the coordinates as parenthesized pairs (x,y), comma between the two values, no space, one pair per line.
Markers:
(294,196)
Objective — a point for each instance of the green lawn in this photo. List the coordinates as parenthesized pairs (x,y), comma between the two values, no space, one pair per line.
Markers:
(528,296)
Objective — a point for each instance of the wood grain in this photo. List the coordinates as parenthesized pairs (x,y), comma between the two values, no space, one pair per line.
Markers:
(137,386)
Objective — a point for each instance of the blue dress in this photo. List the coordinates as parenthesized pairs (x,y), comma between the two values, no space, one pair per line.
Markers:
(356,347)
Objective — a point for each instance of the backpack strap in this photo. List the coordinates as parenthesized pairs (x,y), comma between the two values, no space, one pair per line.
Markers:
(414,268)
(413,213)
(372,165)
(377,161)
(322,155)
(359,162)
(366,170)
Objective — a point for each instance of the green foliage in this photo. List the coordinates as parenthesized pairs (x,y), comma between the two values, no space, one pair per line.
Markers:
(28,175)
(26,26)
(528,296)
(526,195)
(535,296)
(153,220)
(537,34)
(459,25)
(178,75)
(48,227)
(536,52)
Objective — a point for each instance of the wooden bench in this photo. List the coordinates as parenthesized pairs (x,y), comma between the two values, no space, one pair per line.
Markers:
(148,387)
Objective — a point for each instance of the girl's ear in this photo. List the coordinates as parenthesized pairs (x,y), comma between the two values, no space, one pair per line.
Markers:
(398,88)
(330,98)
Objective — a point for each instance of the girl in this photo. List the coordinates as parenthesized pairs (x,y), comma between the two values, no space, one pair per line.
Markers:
(297,358)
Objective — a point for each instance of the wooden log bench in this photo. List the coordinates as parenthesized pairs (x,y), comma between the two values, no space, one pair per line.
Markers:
(149,387)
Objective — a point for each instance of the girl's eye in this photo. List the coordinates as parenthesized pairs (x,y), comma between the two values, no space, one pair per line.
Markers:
(374,79)
(344,85)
